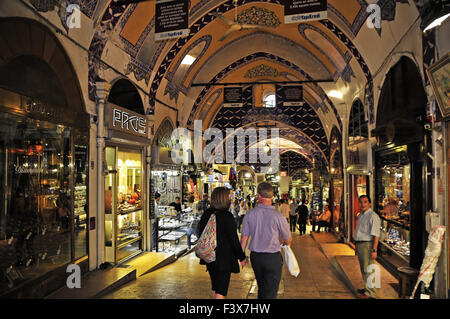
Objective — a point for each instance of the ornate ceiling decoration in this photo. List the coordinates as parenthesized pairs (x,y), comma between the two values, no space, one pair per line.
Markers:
(262,70)
(259,16)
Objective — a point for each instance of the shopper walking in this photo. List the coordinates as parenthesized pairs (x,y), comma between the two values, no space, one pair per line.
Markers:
(293,216)
(228,250)
(302,211)
(265,226)
(203,205)
(242,212)
(284,209)
(367,235)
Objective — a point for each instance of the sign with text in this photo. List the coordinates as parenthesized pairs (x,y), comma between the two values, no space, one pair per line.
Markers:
(171,19)
(304,10)
(291,95)
(123,120)
(232,97)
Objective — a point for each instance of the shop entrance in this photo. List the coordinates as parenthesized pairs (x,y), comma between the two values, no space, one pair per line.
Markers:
(401,176)
(123,203)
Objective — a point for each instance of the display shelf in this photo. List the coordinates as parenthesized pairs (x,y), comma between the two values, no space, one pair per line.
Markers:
(129,240)
(397,223)
(133,210)
(172,236)
(394,251)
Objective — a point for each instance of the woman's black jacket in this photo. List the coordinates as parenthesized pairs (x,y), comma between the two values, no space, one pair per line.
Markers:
(228,250)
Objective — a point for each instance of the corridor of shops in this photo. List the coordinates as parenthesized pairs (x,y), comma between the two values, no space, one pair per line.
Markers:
(119,119)
(187,279)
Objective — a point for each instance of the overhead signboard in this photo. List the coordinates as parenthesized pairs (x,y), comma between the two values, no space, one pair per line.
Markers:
(304,10)
(121,119)
(291,95)
(232,97)
(171,19)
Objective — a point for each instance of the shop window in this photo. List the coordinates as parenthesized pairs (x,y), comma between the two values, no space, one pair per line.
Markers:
(43,191)
(393,188)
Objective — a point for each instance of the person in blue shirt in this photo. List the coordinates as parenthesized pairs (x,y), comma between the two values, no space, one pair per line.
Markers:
(367,235)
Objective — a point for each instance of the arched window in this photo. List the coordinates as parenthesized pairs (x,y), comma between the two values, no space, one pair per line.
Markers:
(357,126)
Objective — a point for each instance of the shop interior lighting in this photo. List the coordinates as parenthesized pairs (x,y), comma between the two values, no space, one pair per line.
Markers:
(188,60)
(266,148)
(336,94)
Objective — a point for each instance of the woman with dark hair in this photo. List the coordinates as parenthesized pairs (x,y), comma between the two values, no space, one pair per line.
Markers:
(228,250)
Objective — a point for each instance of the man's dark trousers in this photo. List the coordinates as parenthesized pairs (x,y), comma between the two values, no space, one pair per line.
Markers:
(267,268)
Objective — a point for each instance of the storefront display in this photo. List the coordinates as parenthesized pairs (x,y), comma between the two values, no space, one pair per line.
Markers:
(393,181)
(166,182)
(174,228)
(43,173)
(123,203)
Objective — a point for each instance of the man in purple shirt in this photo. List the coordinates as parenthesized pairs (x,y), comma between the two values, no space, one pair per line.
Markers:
(265,226)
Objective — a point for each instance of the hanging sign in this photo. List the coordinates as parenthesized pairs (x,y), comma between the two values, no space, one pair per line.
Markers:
(304,10)
(291,95)
(123,120)
(232,97)
(171,19)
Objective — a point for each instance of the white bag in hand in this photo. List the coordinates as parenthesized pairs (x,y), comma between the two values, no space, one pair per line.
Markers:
(291,261)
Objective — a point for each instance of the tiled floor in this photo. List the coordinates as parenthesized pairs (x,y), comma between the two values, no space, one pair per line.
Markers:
(187,279)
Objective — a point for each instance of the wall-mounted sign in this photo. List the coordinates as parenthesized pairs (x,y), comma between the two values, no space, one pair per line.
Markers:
(291,95)
(171,19)
(232,97)
(123,120)
(304,10)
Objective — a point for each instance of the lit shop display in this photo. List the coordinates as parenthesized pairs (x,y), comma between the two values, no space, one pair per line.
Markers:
(44,185)
(123,203)
(393,185)
(174,228)
(167,183)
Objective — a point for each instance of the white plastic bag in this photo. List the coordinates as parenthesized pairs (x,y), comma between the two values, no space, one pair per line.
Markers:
(291,261)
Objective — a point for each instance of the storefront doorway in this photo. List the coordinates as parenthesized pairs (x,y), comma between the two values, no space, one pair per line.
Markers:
(123,203)
(401,190)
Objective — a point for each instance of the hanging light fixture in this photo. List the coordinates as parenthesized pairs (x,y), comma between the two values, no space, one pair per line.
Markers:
(435,14)
(266,148)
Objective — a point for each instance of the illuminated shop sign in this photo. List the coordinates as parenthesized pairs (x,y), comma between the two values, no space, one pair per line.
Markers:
(124,120)
(296,11)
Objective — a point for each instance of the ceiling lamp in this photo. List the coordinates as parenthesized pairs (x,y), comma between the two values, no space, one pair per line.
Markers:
(436,13)
(247,175)
(336,94)
(188,60)
(266,148)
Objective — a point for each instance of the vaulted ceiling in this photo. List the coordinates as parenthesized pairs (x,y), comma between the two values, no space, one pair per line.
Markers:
(274,52)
